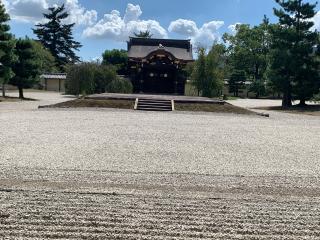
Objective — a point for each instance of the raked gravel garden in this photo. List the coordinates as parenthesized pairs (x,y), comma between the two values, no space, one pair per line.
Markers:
(107,173)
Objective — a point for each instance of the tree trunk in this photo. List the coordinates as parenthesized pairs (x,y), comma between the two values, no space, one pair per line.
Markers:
(302,102)
(3,90)
(287,99)
(20,92)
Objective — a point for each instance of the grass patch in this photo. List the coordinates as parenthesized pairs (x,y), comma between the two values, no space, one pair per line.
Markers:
(232,98)
(313,110)
(80,103)
(207,107)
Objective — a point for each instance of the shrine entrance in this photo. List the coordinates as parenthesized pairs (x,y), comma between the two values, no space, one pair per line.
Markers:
(156,66)
(160,79)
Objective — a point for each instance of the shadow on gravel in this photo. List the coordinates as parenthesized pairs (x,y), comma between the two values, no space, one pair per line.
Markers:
(16,99)
(313,110)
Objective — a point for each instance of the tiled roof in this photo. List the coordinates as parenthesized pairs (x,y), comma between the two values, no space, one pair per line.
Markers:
(142,47)
(54,76)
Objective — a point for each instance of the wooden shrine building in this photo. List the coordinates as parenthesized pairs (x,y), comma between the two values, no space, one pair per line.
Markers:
(155,65)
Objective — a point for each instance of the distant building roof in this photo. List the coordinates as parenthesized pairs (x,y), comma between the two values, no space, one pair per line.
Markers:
(54,76)
(142,47)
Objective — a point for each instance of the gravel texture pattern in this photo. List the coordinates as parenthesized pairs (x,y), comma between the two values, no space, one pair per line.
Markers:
(122,174)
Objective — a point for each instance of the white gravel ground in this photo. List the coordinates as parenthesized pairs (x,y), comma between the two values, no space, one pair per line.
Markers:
(256,176)
(159,142)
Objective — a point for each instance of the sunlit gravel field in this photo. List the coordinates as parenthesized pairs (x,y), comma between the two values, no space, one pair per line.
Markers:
(122,174)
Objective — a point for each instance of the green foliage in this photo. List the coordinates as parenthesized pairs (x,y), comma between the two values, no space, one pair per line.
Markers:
(316,97)
(215,67)
(188,69)
(47,61)
(7,45)
(103,76)
(88,78)
(258,87)
(209,70)
(237,81)
(120,85)
(117,58)
(142,34)
(293,63)
(80,79)
(27,67)
(248,51)
(199,70)
(57,37)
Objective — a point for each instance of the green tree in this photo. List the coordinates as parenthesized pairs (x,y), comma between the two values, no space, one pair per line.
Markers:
(47,61)
(209,71)
(293,66)
(103,76)
(57,36)
(236,81)
(215,71)
(88,78)
(80,79)
(248,52)
(143,34)
(199,70)
(7,45)
(27,67)
(117,58)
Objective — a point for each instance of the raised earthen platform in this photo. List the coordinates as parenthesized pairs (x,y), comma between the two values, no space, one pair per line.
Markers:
(178,99)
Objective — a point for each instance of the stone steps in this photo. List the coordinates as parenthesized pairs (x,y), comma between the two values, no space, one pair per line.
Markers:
(144,104)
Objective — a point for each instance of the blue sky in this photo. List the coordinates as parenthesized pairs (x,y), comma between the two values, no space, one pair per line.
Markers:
(203,21)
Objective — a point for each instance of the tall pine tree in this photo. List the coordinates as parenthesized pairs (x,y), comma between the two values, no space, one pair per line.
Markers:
(293,64)
(57,37)
(7,44)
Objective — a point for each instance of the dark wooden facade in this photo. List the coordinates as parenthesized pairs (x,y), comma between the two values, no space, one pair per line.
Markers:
(155,65)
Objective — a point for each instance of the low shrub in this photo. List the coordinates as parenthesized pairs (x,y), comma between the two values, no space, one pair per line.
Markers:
(88,78)
(120,85)
(316,98)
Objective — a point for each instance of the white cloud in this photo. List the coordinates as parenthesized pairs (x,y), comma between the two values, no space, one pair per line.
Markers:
(27,10)
(183,27)
(118,28)
(6,4)
(132,13)
(316,20)
(205,35)
(79,14)
(32,11)
(232,28)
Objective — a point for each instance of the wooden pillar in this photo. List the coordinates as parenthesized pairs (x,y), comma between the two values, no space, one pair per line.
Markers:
(141,81)
(176,81)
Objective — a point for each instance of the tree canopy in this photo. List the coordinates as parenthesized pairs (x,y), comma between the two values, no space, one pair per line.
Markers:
(293,62)
(7,45)
(47,61)
(118,58)
(248,52)
(57,36)
(27,68)
(208,71)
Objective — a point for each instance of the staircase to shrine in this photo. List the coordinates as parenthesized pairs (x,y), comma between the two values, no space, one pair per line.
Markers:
(144,104)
